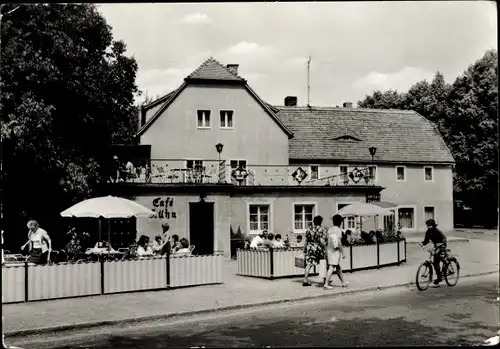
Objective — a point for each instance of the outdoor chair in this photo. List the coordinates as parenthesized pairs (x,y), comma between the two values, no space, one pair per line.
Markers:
(53,256)
(191,249)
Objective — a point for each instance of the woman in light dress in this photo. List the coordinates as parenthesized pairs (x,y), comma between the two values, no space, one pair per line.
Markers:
(39,244)
(334,252)
(143,248)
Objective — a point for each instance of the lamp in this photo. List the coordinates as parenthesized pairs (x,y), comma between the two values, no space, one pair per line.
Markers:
(373,150)
(219,147)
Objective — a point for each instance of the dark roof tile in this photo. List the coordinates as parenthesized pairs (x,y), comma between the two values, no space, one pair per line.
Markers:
(211,69)
(400,136)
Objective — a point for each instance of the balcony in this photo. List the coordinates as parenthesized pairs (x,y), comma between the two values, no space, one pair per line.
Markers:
(212,172)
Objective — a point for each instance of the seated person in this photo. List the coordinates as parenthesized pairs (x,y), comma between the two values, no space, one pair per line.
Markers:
(367,237)
(346,236)
(300,241)
(184,248)
(268,242)
(257,240)
(379,236)
(277,242)
(158,244)
(143,248)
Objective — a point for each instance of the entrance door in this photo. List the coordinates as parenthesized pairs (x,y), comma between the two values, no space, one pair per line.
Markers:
(201,227)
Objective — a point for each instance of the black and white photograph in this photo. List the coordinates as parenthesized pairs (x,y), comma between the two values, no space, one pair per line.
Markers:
(249,174)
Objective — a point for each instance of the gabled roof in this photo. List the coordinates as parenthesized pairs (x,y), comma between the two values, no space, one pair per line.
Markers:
(210,70)
(400,136)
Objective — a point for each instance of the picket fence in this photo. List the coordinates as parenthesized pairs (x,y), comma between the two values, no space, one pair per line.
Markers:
(275,263)
(25,282)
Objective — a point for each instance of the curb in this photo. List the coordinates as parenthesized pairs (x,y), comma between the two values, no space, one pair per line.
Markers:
(458,240)
(89,325)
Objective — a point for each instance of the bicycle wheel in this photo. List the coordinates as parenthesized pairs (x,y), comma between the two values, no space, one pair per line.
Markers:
(451,271)
(424,276)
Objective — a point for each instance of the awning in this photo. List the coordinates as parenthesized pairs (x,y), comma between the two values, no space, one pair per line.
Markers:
(384,204)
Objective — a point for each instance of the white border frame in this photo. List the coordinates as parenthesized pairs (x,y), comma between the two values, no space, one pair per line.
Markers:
(433,172)
(415,220)
(259,203)
(220,126)
(188,228)
(396,173)
(203,127)
(346,203)
(310,171)
(423,211)
(303,203)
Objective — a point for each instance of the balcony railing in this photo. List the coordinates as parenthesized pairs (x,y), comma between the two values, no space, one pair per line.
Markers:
(215,172)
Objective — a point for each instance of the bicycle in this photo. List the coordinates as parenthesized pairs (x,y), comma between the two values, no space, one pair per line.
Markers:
(450,268)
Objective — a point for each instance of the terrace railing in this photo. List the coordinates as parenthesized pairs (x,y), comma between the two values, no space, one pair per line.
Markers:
(215,172)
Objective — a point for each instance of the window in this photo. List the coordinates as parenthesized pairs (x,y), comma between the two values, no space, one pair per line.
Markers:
(259,218)
(234,165)
(372,170)
(194,164)
(429,213)
(226,119)
(350,221)
(303,216)
(203,118)
(406,217)
(428,174)
(314,172)
(400,173)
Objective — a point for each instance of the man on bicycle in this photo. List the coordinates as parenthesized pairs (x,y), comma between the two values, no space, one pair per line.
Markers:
(439,239)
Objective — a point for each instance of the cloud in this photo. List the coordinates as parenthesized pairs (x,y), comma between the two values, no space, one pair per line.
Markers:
(401,81)
(196,18)
(243,48)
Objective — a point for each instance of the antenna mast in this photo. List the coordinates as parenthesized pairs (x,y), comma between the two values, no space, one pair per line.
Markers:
(309,82)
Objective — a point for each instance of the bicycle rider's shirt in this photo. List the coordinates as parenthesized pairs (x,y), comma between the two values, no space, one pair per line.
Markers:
(435,235)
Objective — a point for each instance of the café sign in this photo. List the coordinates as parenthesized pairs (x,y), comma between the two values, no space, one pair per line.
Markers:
(372,198)
(164,207)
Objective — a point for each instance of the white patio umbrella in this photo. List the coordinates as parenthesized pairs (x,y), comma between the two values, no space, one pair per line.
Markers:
(364,209)
(107,207)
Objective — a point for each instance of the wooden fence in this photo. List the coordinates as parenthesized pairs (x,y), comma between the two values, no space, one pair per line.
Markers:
(25,282)
(274,263)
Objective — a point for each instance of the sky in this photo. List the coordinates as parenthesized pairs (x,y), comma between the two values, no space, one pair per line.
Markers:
(355,47)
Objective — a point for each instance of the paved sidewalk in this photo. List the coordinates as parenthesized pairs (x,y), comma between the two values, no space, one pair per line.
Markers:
(416,239)
(476,257)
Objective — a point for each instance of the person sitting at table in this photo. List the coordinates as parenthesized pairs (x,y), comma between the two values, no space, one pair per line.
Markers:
(176,245)
(158,244)
(143,248)
(39,243)
(184,248)
(299,242)
(277,242)
(268,241)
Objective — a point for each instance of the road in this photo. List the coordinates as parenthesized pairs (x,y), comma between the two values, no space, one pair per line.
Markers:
(465,314)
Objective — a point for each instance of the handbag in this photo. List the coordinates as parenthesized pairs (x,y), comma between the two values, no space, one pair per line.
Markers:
(300,261)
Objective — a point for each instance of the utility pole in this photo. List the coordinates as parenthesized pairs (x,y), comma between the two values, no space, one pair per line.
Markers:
(309,82)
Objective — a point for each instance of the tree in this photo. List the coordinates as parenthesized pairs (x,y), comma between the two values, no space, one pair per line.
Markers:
(67,95)
(387,100)
(471,132)
(466,115)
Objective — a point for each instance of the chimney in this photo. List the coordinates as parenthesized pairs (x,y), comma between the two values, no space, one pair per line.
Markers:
(233,68)
(347,105)
(290,101)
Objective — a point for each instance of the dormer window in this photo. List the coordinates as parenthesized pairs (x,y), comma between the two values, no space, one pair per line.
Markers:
(347,138)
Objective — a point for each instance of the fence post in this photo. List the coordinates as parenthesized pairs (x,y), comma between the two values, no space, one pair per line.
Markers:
(102,274)
(350,257)
(405,249)
(399,254)
(378,255)
(168,269)
(26,281)
(271,261)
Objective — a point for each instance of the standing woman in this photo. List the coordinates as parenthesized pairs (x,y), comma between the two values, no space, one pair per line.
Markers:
(334,252)
(314,249)
(39,243)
